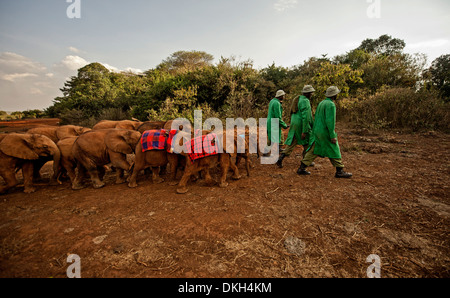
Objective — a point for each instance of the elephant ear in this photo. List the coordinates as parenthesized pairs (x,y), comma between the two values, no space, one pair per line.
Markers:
(19,146)
(116,141)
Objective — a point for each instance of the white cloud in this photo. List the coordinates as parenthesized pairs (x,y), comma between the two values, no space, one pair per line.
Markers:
(429,44)
(27,84)
(282,5)
(74,50)
(128,69)
(110,68)
(15,63)
(36,91)
(17,76)
(73,62)
(134,70)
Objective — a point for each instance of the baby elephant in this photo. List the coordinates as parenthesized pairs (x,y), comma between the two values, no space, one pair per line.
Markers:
(147,155)
(20,151)
(208,161)
(97,148)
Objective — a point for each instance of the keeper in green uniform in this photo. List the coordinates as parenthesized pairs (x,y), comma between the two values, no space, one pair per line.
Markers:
(324,141)
(301,124)
(276,112)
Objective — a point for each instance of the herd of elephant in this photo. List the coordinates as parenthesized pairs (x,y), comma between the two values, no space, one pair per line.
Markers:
(80,153)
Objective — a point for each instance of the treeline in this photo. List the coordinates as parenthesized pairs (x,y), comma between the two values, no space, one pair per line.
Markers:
(382,87)
(28,114)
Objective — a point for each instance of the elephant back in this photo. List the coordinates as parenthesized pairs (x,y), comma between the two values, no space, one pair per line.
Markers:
(151,125)
(48,131)
(122,140)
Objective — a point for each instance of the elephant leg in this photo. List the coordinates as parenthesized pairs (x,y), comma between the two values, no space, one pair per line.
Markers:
(95,178)
(38,164)
(96,182)
(155,175)
(77,182)
(101,172)
(132,181)
(163,170)
(248,164)
(27,171)
(173,161)
(238,160)
(80,174)
(225,162)
(119,161)
(10,180)
(208,179)
(120,177)
(234,168)
(188,171)
(70,168)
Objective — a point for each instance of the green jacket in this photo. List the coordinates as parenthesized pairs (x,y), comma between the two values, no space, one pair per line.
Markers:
(301,122)
(275,111)
(324,130)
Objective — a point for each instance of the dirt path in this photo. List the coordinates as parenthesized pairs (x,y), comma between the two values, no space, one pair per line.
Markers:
(271,224)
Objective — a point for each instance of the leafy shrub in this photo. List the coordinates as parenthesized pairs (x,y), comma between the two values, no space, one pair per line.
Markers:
(399,108)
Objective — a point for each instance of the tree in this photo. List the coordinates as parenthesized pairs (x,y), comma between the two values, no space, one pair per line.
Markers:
(185,61)
(383,45)
(355,58)
(322,74)
(440,75)
(396,70)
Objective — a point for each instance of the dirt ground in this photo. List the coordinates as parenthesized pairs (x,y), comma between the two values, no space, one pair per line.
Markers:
(273,224)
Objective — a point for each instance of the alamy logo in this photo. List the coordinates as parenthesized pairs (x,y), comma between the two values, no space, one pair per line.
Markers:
(74,9)
(74,270)
(374,270)
(257,136)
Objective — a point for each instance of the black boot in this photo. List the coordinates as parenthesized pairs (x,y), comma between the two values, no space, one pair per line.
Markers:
(340,173)
(280,160)
(302,170)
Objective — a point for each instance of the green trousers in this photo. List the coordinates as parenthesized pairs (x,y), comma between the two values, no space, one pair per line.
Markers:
(310,157)
(289,148)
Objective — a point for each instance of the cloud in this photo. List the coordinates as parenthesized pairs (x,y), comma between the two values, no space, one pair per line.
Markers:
(429,44)
(17,76)
(73,62)
(133,70)
(110,68)
(15,63)
(27,84)
(74,50)
(282,5)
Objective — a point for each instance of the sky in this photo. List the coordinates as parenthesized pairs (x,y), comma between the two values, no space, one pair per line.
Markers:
(43,43)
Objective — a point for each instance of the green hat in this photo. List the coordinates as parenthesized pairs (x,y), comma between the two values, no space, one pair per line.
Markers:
(332,91)
(308,89)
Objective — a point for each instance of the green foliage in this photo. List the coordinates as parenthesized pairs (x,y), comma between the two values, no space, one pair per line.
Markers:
(188,80)
(185,61)
(440,75)
(401,108)
(384,45)
(322,74)
(28,114)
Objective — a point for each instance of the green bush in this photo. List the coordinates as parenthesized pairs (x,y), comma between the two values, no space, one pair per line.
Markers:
(401,108)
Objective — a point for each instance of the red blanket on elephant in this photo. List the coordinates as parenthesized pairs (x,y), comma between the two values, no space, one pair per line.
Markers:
(202,146)
(158,139)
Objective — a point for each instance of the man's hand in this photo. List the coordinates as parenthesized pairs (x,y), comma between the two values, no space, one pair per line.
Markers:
(334,140)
